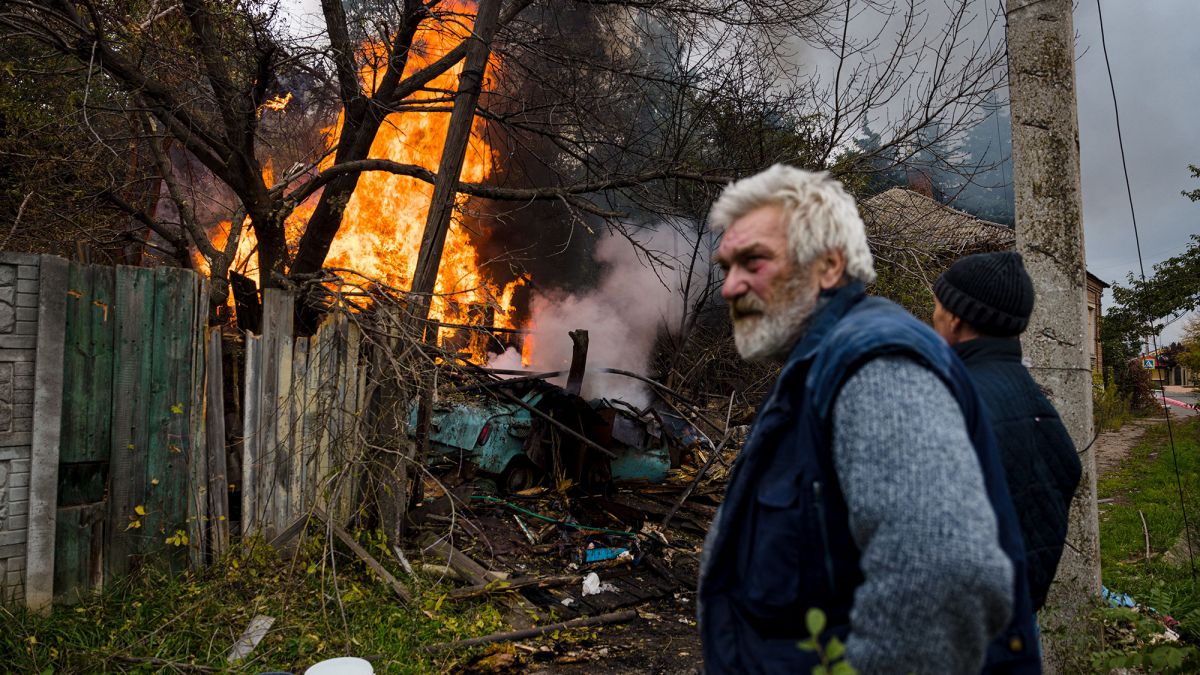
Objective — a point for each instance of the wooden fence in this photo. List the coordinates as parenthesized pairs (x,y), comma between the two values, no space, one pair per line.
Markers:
(305,399)
(113,410)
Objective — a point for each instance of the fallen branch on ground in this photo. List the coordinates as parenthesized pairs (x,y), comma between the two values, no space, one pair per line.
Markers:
(583,622)
(367,558)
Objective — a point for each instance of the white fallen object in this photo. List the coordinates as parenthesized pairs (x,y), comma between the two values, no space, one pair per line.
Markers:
(592,585)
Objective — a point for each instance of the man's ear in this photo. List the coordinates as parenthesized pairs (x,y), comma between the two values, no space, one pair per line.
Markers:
(830,267)
(956,327)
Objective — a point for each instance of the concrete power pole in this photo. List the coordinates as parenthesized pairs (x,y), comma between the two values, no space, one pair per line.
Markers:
(1045,132)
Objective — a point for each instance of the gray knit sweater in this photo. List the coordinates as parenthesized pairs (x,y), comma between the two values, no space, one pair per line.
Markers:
(937,584)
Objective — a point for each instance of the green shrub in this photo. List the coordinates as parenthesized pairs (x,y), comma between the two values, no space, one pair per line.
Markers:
(1110,410)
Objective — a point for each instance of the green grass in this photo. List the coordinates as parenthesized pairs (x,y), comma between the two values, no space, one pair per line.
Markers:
(196,618)
(1146,482)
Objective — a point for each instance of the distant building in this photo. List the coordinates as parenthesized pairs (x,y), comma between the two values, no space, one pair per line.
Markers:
(1168,370)
(1095,291)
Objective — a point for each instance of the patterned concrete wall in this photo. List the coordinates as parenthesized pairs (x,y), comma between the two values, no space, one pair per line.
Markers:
(18,349)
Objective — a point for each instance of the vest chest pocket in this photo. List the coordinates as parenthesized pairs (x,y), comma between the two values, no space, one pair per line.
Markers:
(785,550)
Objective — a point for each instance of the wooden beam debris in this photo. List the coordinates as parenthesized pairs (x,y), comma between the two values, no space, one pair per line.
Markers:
(503,586)
(253,635)
(379,570)
(537,631)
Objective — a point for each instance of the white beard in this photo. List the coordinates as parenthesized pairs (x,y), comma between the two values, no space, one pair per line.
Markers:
(773,333)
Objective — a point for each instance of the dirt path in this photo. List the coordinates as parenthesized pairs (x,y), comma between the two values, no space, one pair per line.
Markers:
(1113,446)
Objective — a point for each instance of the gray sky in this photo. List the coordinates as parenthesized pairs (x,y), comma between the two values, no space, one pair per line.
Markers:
(1155,55)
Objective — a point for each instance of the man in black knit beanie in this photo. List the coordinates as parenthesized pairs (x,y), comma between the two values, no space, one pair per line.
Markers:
(983,303)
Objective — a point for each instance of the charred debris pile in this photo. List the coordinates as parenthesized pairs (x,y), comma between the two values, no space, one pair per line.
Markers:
(563,507)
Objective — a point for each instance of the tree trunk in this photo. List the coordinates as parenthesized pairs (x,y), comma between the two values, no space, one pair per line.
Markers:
(453,153)
(1050,238)
(361,120)
(272,247)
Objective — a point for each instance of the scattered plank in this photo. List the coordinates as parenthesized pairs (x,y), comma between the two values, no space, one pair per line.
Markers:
(499,586)
(467,568)
(537,631)
(475,574)
(282,540)
(253,634)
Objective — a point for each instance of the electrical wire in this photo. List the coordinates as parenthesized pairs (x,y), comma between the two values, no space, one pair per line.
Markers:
(1187,531)
(548,519)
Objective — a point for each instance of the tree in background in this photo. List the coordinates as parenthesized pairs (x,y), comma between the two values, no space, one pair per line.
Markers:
(970,170)
(1189,356)
(1142,308)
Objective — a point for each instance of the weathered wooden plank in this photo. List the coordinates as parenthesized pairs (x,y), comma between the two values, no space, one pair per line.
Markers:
(197,447)
(214,418)
(344,423)
(351,442)
(269,421)
(79,551)
(251,436)
(311,423)
(254,633)
(282,303)
(296,403)
(83,457)
(47,435)
(379,570)
(326,341)
(77,394)
(101,355)
(133,316)
(158,415)
(154,414)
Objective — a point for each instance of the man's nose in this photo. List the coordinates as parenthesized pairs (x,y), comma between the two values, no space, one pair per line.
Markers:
(734,286)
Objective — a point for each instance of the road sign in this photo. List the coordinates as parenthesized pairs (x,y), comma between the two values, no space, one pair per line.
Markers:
(1149,363)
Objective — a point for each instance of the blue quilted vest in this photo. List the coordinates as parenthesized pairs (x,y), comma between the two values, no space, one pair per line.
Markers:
(782,542)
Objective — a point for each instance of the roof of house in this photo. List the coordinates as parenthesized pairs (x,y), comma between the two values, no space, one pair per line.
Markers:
(1099,282)
(900,218)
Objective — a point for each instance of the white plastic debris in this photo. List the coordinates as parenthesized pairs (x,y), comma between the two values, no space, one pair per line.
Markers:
(567,602)
(592,585)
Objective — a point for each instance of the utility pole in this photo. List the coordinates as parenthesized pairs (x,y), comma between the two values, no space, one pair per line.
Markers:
(445,187)
(1045,132)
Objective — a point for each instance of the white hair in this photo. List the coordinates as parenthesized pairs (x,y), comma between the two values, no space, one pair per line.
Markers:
(819,214)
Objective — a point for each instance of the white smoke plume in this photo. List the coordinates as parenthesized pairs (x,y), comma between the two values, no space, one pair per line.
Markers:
(639,295)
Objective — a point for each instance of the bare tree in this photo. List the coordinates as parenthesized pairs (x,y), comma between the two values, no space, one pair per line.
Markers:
(609,111)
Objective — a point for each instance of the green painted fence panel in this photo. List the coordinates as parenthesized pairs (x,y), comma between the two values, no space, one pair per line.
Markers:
(133,331)
(132,429)
(86,424)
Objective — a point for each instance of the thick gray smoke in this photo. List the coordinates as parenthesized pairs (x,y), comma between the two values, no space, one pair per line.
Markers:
(641,294)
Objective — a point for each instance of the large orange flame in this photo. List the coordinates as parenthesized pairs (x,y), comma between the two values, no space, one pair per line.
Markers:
(381,229)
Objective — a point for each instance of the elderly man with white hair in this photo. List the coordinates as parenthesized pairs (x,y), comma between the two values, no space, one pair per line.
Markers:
(870,487)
